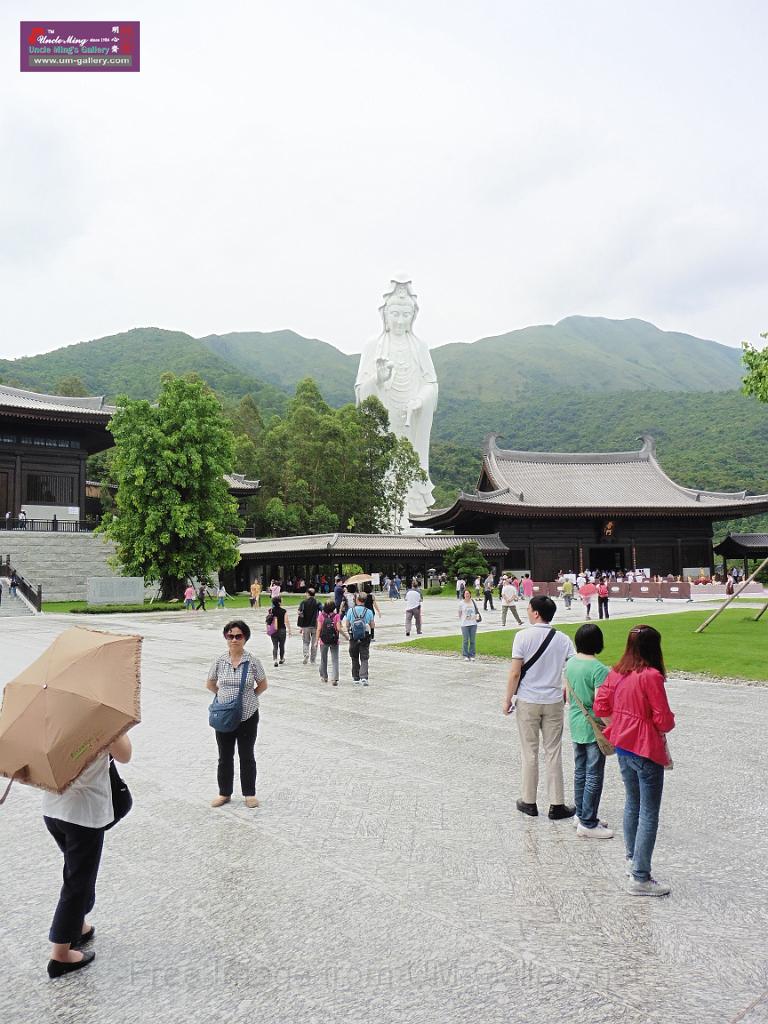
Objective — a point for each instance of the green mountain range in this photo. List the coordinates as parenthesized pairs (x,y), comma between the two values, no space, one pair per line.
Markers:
(583,384)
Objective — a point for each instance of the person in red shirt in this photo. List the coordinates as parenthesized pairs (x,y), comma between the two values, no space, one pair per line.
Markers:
(633,699)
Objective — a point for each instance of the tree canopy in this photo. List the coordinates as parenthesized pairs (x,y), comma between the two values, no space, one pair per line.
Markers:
(323,469)
(465,561)
(174,518)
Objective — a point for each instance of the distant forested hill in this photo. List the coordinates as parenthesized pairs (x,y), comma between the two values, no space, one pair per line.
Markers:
(133,362)
(586,383)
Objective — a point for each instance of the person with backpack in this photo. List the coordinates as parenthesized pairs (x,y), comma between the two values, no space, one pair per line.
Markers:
(328,624)
(306,620)
(278,624)
(357,628)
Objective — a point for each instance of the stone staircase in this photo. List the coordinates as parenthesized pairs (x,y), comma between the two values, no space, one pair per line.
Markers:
(12,606)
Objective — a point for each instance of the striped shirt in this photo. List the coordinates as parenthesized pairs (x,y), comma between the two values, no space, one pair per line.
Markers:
(228,680)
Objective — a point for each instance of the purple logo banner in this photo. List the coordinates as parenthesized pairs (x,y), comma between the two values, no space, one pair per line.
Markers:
(80,46)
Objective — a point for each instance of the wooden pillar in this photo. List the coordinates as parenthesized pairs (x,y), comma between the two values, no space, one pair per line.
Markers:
(17,495)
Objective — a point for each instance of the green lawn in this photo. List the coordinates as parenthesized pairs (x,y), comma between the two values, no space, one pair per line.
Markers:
(83,608)
(733,645)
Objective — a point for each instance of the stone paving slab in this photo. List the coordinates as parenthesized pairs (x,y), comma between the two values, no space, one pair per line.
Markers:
(387,876)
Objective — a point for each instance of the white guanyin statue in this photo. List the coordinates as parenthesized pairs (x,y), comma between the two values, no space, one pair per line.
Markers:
(397,368)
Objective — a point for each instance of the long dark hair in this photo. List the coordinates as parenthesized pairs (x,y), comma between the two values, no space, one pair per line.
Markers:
(643,650)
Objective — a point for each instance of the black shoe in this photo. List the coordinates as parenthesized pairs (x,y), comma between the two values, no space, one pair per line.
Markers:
(84,939)
(558,811)
(56,969)
(525,808)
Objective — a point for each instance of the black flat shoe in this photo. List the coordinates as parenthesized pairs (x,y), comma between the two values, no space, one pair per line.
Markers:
(558,811)
(56,969)
(84,939)
(525,808)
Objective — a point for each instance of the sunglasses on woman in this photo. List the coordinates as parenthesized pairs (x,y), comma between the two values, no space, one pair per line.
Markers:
(235,636)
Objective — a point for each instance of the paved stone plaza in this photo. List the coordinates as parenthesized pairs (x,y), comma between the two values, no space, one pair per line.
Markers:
(387,876)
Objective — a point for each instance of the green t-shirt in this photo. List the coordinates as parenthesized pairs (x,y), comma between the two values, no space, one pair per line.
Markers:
(585,676)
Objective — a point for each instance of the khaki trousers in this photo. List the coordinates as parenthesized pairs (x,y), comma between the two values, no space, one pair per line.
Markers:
(547,719)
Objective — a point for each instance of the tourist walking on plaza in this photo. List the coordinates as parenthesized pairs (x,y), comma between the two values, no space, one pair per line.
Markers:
(587,592)
(509,596)
(469,616)
(274,589)
(394,588)
(77,819)
(189,598)
(413,605)
(461,586)
(567,591)
(535,690)
(255,598)
(278,626)
(357,627)
(584,674)
(221,595)
(328,624)
(338,592)
(372,605)
(634,698)
(237,671)
(488,592)
(201,596)
(527,587)
(306,620)
(602,599)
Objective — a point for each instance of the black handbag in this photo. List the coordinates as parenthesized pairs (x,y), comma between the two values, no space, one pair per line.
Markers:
(122,801)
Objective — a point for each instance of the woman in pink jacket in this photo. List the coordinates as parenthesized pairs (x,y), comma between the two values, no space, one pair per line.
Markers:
(633,699)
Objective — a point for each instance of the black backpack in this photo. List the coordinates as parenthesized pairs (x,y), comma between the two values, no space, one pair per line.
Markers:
(328,632)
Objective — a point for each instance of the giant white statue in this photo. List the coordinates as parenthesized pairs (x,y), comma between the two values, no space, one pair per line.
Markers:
(398,369)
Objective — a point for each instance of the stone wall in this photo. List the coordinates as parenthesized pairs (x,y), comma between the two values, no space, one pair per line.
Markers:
(58,562)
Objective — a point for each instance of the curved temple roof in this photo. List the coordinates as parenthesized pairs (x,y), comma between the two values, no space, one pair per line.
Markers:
(32,402)
(591,483)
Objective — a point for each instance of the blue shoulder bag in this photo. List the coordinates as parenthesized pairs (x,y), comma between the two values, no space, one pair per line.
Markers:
(225,717)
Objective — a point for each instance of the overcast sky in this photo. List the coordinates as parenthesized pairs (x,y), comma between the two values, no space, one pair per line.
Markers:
(274,163)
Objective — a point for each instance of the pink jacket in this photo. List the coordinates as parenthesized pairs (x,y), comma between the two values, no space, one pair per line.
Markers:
(639,711)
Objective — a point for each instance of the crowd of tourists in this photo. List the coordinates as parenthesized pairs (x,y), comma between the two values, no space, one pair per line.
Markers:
(622,711)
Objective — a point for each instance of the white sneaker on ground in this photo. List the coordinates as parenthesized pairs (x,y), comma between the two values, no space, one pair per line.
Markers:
(598,832)
(577,822)
(649,888)
(363,682)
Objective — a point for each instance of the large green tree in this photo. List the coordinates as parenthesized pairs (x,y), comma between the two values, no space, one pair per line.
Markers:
(323,469)
(174,518)
(755,382)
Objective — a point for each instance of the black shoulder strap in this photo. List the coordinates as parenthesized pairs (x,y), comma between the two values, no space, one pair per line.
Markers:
(534,658)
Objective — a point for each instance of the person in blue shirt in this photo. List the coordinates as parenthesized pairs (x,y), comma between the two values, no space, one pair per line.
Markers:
(357,628)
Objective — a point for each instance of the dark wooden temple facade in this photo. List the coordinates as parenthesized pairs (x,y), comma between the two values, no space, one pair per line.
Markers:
(607,510)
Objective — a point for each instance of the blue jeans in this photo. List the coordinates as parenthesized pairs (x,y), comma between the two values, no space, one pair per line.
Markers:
(643,784)
(468,634)
(589,768)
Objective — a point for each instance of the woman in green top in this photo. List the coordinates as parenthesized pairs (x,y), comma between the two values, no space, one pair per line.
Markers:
(585,674)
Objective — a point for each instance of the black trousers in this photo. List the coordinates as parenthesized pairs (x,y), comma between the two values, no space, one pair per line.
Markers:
(245,738)
(487,598)
(278,644)
(359,652)
(82,848)
(602,607)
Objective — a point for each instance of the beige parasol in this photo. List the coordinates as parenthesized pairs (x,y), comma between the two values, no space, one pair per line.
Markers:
(362,577)
(70,704)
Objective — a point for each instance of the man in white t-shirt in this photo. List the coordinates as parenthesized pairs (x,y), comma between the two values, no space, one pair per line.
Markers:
(508,598)
(412,608)
(538,699)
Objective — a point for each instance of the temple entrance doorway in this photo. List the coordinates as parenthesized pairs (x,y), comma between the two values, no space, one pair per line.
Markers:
(5,494)
(606,559)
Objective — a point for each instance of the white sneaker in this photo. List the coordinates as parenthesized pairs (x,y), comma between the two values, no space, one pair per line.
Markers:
(598,832)
(363,682)
(649,888)
(577,822)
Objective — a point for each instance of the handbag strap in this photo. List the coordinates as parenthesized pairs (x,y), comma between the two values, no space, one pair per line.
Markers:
(542,647)
(587,714)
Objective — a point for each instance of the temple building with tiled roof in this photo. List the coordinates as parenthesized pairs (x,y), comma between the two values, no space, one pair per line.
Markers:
(560,511)
(44,443)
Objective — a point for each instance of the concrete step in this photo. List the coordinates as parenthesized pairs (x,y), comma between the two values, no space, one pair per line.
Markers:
(12,606)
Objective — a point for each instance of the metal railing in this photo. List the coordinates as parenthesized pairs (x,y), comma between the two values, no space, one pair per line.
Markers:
(33,594)
(50,525)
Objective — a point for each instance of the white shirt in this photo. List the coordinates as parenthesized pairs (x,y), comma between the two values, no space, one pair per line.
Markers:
(508,594)
(88,801)
(543,682)
(412,599)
